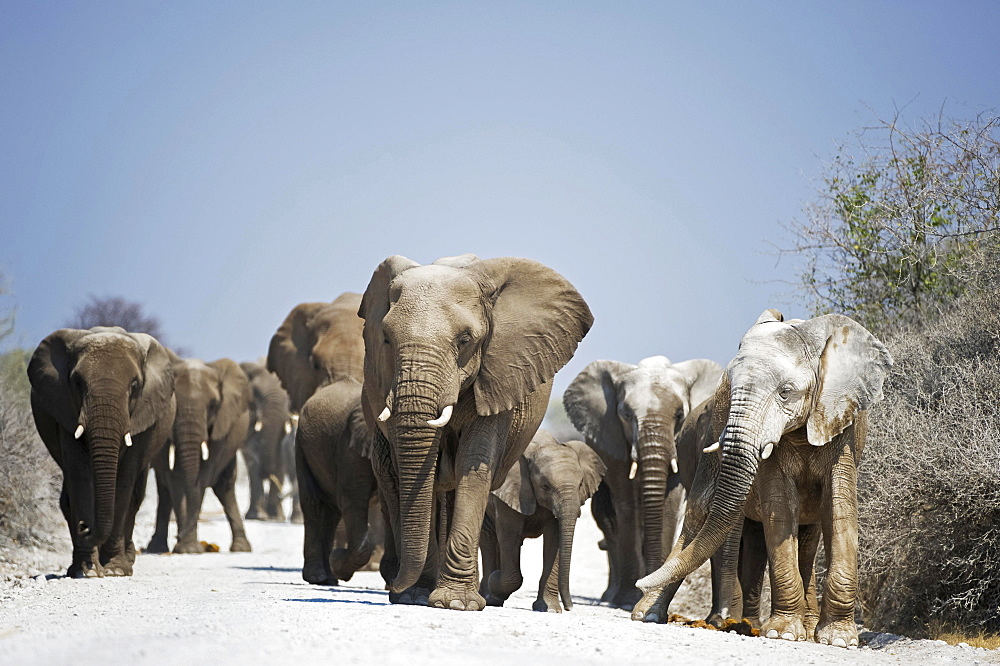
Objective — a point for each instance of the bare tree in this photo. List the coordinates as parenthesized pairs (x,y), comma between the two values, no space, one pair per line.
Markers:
(118,311)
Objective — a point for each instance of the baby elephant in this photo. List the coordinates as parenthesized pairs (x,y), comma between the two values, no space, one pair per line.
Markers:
(541,495)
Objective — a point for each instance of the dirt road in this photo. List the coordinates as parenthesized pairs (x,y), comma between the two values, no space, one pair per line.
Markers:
(254,608)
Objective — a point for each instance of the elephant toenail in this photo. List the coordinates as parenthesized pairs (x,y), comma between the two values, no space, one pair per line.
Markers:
(773,633)
(839,642)
(652,617)
(788,636)
(456,604)
(824,641)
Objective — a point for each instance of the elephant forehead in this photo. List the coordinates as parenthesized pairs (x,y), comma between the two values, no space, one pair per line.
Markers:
(422,294)
(107,340)
(651,388)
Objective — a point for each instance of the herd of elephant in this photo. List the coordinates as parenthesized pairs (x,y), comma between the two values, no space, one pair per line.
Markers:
(410,416)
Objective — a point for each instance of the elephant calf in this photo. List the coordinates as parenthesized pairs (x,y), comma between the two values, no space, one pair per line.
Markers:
(541,496)
(335,481)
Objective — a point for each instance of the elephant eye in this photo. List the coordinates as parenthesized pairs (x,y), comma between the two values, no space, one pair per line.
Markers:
(785,391)
(134,388)
(385,338)
(464,339)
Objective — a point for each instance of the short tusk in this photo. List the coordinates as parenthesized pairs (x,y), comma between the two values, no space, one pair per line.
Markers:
(288,427)
(79,432)
(295,418)
(673,464)
(441,421)
(170,457)
(714,446)
(204,450)
(384,416)
(128,439)
(765,452)
(633,469)
(258,426)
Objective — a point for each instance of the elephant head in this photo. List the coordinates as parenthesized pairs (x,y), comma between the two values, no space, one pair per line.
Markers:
(559,477)
(465,337)
(633,413)
(269,417)
(102,386)
(815,375)
(316,344)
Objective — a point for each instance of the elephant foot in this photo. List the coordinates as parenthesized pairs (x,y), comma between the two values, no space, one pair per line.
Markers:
(716,620)
(650,608)
(840,633)
(240,545)
(157,545)
(86,569)
(609,594)
(547,605)
(459,597)
(784,626)
(344,565)
(810,622)
(494,600)
(297,516)
(119,565)
(316,574)
(627,598)
(411,596)
(253,513)
(188,547)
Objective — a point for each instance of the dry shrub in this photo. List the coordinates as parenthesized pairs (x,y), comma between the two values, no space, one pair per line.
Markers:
(929,485)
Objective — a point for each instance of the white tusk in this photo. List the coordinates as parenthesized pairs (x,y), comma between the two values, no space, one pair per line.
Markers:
(128,439)
(632,470)
(673,464)
(442,420)
(258,426)
(79,431)
(765,452)
(384,416)
(714,446)
(204,450)
(295,418)
(170,457)
(288,427)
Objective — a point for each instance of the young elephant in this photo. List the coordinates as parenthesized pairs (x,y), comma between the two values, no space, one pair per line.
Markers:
(103,403)
(336,481)
(213,403)
(541,496)
(794,402)
(270,429)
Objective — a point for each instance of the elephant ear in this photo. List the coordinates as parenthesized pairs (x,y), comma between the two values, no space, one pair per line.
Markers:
(592,465)
(235,391)
(48,373)
(700,377)
(516,491)
(853,365)
(157,385)
(374,307)
(591,402)
(538,319)
(288,355)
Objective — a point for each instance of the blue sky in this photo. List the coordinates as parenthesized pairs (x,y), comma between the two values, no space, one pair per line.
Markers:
(223,161)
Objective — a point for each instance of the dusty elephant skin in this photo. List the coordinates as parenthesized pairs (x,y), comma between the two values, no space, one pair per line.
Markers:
(794,402)
(459,358)
(103,403)
(318,343)
(630,415)
(213,403)
(335,481)
(270,431)
(541,496)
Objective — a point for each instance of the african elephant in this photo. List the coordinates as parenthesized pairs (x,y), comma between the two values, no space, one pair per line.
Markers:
(332,449)
(630,414)
(103,404)
(795,401)
(316,344)
(270,426)
(541,496)
(213,416)
(459,358)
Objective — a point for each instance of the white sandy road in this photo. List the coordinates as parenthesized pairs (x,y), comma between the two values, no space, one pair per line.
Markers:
(254,608)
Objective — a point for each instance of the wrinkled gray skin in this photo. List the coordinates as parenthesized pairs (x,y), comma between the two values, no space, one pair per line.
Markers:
(335,481)
(630,415)
(270,431)
(213,402)
(796,399)
(459,358)
(116,385)
(541,496)
(318,343)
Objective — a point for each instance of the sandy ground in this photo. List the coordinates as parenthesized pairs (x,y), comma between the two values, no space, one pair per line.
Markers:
(255,608)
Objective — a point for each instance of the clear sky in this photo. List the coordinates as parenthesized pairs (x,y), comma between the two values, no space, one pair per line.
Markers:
(222,161)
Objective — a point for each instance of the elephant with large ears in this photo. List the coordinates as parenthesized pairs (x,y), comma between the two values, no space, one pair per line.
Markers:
(213,416)
(541,496)
(103,403)
(270,428)
(459,358)
(795,400)
(631,414)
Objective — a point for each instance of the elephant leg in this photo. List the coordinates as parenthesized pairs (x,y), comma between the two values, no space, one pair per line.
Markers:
(85,559)
(158,542)
(725,569)
(135,501)
(187,509)
(548,583)
(507,578)
(603,512)
(256,482)
(779,506)
(272,505)
(672,515)
(388,567)
(114,557)
(353,501)
(840,535)
(225,489)
(489,549)
(291,460)
(626,546)
(809,536)
(753,562)
(320,520)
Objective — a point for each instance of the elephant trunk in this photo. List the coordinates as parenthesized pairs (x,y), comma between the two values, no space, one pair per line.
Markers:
(273,414)
(656,451)
(107,418)
(567,527)
(740,458)
(190,431)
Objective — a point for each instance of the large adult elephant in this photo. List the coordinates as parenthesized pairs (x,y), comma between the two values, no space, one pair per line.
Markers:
(630,415)
(103,403)
(795,401)
(213,416)
(459,359)
(270,427)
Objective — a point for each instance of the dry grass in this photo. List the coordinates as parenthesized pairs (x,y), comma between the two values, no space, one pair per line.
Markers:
(952,636)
